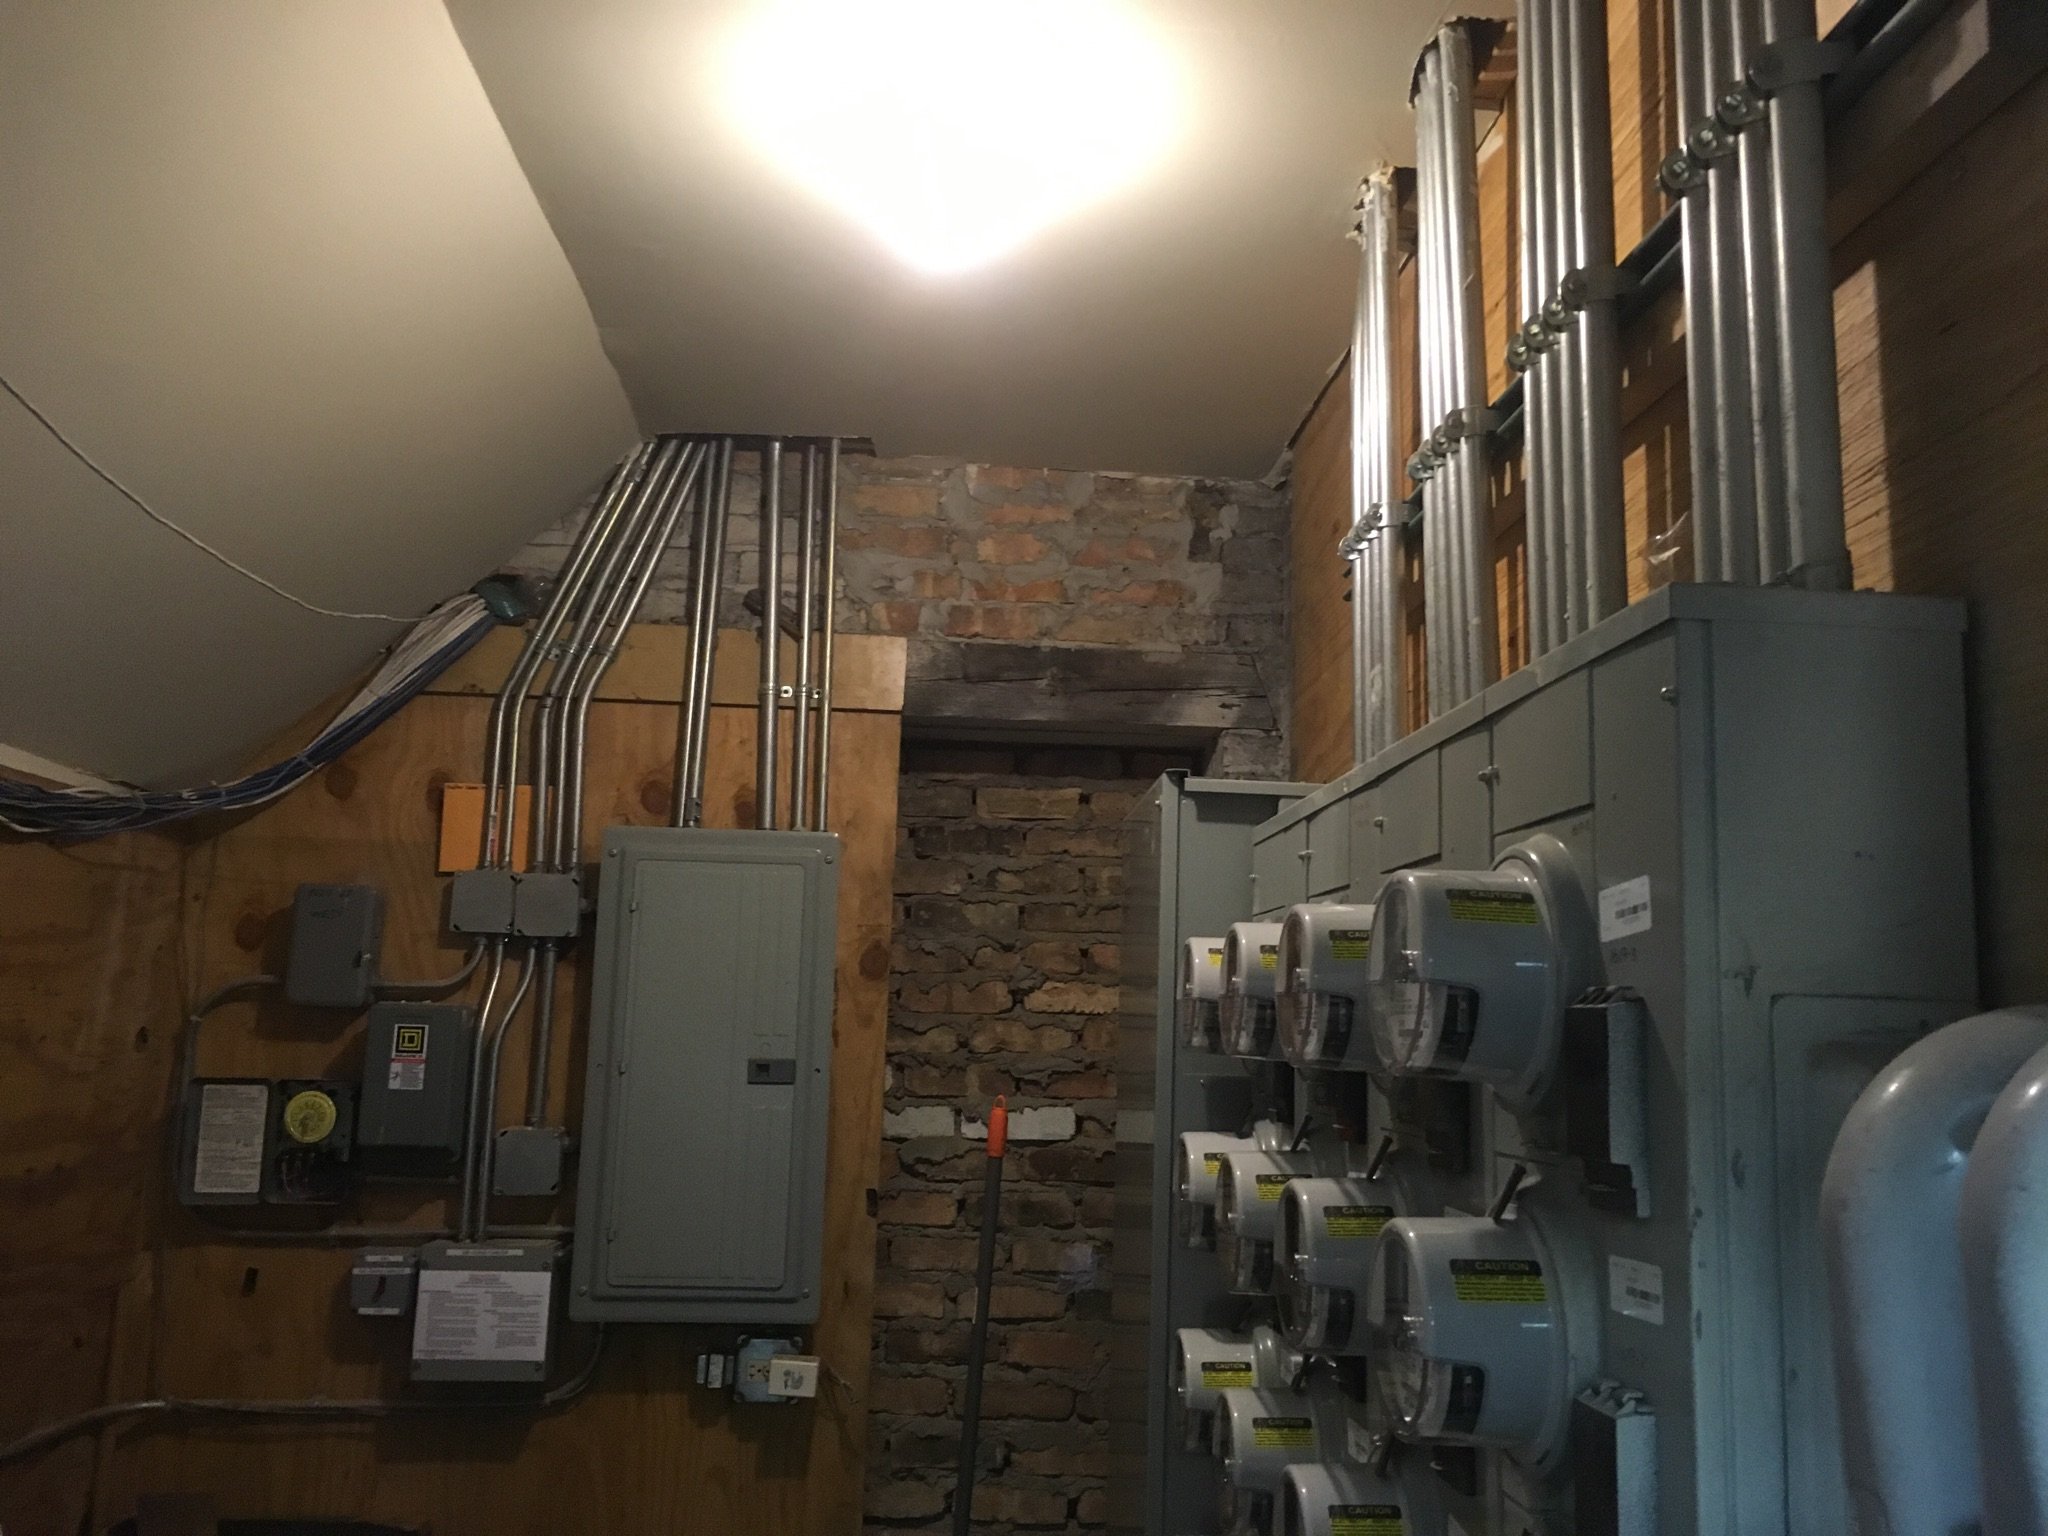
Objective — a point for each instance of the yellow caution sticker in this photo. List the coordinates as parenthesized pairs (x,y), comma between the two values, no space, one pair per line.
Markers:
(309,1117)
(1220,1375)
(1211,1161)
(1216,956)
(1470,906)
(1356,1220)
(1288,1434)
(1504,1282)
(1273,1185)
(1350,944)
(1269,957)
(1366,1520)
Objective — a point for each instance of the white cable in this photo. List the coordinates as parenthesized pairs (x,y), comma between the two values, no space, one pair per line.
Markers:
(186,534)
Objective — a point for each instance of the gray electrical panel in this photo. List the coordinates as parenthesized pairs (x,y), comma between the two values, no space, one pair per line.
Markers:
(1188,874)
(337,934)
(701,1190)
(414,1101)
(1759,799)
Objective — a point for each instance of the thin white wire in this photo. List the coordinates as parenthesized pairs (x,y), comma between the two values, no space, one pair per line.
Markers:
(186,534)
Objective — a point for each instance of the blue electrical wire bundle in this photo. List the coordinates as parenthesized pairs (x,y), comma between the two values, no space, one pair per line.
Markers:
(427,649)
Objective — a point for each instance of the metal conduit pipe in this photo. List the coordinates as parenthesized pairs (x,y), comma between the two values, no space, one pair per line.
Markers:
(1735,428)
(1454,501)
(1468,356)
(1437,622)
(541,1068)
(483,1124)
(704,638)
(555,723)
(829,582)
(1604,533)
(1351,547)
(1889,1206)
(1557,429)
(502,738)
(766,789)
(494,977)
(1443,528)
(2003,1230)
(1809,420)
(548,724)
(625,607)
(1759,281)
(1387,539)
(806,604)
(1535,501)
(1566,370)
(702,578)
(1702,377)
(1541,433)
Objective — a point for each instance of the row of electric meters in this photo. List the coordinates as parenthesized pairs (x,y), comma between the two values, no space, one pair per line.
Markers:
(1458,1329)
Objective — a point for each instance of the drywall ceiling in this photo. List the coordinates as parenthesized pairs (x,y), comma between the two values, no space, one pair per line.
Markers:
(273,264)
(1181,327)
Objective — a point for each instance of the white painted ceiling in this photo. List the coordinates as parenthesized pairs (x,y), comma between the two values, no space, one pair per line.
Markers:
(1182,327)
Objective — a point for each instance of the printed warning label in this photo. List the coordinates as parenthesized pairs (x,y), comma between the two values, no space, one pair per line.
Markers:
(1625,909)
(482,1314)
(1273,1185)
(1365,1520)
(406,1076)
(407,1072)
(1216,957)
(1211,1161)
(1221,1375)
(1289,1434)
(227,1157)
(1353,1221)
(1472,906)
(1349,944)
(1508,1282)
(1269,957)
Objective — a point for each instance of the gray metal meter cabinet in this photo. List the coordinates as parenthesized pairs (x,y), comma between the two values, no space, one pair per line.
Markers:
(702,1186)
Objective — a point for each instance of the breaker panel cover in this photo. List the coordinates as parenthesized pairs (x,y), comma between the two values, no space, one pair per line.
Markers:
(701,1188)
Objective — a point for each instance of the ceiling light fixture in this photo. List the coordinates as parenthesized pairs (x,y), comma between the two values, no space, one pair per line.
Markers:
(954,130)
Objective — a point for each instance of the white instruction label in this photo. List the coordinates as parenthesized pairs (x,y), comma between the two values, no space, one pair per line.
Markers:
(482,1314)
(1636,1289)
(228,1150)
(1625,909)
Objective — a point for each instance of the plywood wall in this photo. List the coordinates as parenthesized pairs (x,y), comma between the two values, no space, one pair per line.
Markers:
(102,1297)
(1941,328)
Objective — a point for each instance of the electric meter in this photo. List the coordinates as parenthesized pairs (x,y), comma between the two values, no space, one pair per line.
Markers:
(1321,1499)
(1251,966)
(1323,1259)
(1258,1436)
(1200,994)
(1319,1005)
(1248,1190)
(1201,1156)
(1470,972)
(1208,1362)
(1468,1336)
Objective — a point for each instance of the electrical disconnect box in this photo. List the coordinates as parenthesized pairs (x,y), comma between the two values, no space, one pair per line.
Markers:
(1611,950)
(248,1141)
(415,1086)
(337,935)
(701,1186)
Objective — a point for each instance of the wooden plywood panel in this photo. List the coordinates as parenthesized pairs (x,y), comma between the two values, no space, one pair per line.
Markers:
(1319,588)
(645,1451)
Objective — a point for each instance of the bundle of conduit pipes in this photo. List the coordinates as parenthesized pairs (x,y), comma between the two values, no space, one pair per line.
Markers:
(594,600)
(1372,546)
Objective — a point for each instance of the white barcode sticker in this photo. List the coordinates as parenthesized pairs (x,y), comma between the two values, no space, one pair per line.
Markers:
(1625,909)
(1636,1289)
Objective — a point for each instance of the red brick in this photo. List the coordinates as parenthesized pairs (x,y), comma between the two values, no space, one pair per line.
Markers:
(1018,622)
(1023,1303)
(1022,1038)
(919,1209)
(1047,589)
(1106,957)
(1092,1508)
(935,584)
(1055,1349)
(1027,514)
(891,1393)
(1078,842)
(1019,1506)
(1056,957)
(1082,1085)
(1026,1400)
(927,1346)
(896,618)
(1015,804)
(919,541)
(1119,629)
(1047,1256)
(910,1298)
(1142,594)
(1128,551)
(1072,997)
(903,1499)
(1064,1461)
(956,997)
(1014,547)
(904,501)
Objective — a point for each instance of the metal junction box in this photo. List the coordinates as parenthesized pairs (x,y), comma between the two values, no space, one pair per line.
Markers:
(701,1193)
(415,1086)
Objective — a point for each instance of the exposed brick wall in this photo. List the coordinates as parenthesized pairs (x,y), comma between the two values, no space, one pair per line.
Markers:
(1008,923)
(944,552)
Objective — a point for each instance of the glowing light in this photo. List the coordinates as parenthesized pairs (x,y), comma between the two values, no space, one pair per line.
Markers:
(954,130)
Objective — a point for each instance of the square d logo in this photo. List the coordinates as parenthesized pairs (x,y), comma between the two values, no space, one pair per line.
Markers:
(409,1040)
